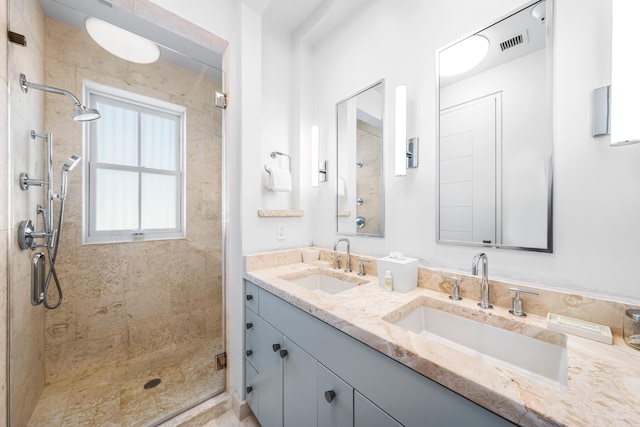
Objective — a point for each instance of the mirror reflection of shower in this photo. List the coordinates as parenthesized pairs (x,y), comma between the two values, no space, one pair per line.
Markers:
(27,234)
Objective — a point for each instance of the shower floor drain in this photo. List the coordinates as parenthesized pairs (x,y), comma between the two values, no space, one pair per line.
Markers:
(152,384)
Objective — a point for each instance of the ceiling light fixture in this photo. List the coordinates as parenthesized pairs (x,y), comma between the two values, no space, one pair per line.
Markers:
(122,43)
(463,55)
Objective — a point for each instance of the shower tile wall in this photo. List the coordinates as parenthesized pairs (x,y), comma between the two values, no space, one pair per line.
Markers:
(4,212)
(123,301)
(26,323)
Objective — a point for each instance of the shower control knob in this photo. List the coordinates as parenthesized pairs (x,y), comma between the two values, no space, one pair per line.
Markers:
(283,353)
(329,395)
(249,352)
(249,325)
(249,297)
(275,347)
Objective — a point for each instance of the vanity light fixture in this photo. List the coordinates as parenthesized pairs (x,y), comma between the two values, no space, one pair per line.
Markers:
(463,55)
(625,84)
(122,43)
(401,131)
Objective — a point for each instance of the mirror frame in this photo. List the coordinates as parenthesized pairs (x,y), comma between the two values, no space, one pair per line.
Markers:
(382,140)
(550,22)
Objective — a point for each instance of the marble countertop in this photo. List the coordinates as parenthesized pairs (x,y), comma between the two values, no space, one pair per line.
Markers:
(603,381)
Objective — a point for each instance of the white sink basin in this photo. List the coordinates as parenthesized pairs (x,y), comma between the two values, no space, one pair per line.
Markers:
(530,357)
(322,283)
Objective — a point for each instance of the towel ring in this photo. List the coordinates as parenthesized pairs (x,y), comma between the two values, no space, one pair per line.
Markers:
(274,154)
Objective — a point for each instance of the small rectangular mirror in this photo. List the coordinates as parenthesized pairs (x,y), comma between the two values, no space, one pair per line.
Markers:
(360,189)
(494,134)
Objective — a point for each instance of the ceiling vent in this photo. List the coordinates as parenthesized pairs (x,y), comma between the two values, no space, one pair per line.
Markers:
(518,39)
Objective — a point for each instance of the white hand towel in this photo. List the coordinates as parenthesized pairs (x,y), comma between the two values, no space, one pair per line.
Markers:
(280,180)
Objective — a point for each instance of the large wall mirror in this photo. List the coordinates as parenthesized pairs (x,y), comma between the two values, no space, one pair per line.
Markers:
(360,190)
(494,134)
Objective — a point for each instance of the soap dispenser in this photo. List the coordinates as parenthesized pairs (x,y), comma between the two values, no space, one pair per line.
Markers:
(388,281)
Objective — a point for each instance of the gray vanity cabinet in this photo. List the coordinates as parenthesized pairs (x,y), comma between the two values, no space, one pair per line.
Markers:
(299,387)
(366,387)
(366,414)
(264,380)
(335,399)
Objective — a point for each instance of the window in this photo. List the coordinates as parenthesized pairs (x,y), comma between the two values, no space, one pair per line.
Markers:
(134,156)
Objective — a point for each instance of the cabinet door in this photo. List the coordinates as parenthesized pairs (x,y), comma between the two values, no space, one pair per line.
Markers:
(252,390)
(299,387)
(251,294)
(269,374)
(251,338)
(335,400)
(366,414)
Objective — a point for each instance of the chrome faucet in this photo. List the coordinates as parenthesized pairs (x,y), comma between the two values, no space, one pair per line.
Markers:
(347,267)
(484,284)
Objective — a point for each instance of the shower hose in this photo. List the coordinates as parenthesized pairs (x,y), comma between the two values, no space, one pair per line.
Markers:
(52,253)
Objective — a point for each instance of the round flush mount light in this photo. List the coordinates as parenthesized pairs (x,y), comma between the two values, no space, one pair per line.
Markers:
(122,43)
(463,55)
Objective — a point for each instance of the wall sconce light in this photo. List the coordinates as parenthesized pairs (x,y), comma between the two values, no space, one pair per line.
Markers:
(401,131)
(615,108)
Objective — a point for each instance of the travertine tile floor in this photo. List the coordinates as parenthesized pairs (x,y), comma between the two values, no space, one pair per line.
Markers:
(115,395)
(230,419)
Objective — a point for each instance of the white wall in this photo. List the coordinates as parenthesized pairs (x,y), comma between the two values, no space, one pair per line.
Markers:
(596,200)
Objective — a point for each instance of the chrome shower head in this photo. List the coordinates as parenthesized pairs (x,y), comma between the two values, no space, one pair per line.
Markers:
(80,112)
(70,164)
(84,114)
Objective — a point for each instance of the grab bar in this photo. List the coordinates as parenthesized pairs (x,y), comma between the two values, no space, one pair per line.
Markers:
(37,278)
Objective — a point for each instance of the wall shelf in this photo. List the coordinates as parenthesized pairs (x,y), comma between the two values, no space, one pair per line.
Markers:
(279,213)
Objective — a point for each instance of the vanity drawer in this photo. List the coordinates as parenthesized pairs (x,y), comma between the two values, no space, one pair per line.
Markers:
(251,296)
(252,338)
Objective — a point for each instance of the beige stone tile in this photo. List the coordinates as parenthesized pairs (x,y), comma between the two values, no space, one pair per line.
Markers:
(100,317)
(187,326)
(60,324)
(78,357)
(150,335)
(51,406)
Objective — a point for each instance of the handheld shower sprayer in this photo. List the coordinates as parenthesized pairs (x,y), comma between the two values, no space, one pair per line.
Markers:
(69,165)
(80,113)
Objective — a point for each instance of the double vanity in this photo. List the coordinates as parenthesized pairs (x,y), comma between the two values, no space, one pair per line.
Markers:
(322,343)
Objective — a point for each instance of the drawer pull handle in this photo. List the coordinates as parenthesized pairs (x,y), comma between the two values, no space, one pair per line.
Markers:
(249,352)
(249,325)
(283,353)
(275,347)
(249,297)
(329,395)
(249,389)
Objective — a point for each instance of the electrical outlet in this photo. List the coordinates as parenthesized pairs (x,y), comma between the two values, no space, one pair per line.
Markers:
(280,234)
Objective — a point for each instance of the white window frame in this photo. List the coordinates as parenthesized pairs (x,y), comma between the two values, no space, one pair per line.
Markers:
(94,92)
